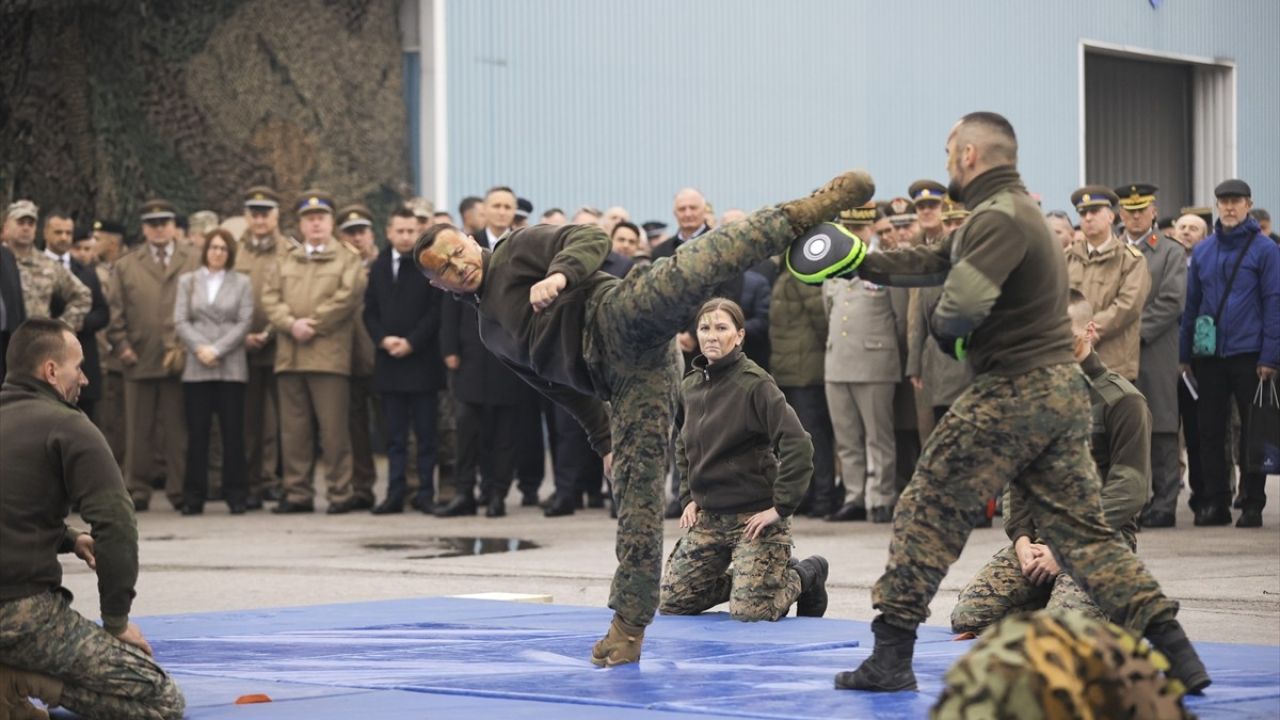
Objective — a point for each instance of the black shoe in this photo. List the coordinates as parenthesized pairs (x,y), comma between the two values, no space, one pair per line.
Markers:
(529,499)
(141,505)
(1184,663)
(882,515)
(674,510)
(1159,520)
(848,513)
(286,507)
(238,508)
(342,508)
(483,498)
(390,505)
(362,502)
(889,667)
(192,509)
(424,504)
(595,501)
(812,601)
(253,503)
(559,507)
(1250,518)
(1213,513)
(460,505)
(497,508)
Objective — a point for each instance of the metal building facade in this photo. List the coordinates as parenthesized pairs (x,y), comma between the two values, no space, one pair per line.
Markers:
(607,102)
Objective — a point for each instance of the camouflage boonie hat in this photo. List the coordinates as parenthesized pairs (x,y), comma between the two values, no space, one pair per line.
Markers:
(1059,664)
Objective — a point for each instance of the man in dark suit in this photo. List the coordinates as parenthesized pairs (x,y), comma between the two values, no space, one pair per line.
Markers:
(12,309)
(486,396)
(99,312)
(402,316)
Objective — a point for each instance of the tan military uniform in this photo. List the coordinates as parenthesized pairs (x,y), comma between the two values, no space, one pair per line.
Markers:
(363,472)
(142,295)
(43,279)
(111,407)
(1115,281)
(313,377)
(258,259)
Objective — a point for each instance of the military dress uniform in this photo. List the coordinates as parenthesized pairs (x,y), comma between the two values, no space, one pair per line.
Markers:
(257,257)
(313,378)
(1113,277)
(1119,443)
(1158,372)
(363,471)
(144,289)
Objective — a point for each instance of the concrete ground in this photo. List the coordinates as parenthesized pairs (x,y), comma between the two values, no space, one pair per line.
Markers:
(1227,580)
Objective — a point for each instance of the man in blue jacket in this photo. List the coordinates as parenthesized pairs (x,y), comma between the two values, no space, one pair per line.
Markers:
(1247,347)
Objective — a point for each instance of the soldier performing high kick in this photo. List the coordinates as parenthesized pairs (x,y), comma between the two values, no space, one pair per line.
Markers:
(1024,420)
(583,338)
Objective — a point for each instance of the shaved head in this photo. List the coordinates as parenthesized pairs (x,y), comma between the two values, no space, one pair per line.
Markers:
(991,135)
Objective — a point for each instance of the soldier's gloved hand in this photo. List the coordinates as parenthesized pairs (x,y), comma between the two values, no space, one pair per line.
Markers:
(956,347)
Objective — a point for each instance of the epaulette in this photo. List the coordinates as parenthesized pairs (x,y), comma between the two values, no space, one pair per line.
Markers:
(1112,387)
(352,248)
(1133,250)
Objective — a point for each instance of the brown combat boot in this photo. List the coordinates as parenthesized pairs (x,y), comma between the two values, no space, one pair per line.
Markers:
(621,645)
(844,191)
(18,685)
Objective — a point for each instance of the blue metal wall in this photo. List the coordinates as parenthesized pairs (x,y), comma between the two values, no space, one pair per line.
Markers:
(623,102)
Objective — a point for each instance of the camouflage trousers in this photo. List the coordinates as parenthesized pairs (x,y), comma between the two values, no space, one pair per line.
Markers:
(1000,589)
(1031,429)
(712,564)
(629,343)
(103,678)
(1059,664)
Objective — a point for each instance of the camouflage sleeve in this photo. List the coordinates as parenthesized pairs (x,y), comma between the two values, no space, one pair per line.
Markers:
(75,294)
(918,266)
(590,412)
(1017,518)
(1127,308)
(341,305)
(789,439)
(1165,308)
(1128,480)
(582,251)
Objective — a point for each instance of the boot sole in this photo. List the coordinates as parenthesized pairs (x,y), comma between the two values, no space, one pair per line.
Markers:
(913,685)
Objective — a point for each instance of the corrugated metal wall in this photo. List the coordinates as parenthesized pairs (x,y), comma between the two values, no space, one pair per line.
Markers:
(622,102)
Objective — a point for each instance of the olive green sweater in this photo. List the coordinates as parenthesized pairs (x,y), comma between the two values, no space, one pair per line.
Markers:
(742,448)
(51,455)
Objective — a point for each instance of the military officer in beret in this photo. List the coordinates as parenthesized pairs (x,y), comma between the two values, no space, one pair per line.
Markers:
(355,224)
(1112,275)
(1157,363)
(311,301)
(260,247)
(142,292)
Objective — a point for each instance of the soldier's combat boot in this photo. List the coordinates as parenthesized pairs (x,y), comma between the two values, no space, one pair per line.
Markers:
(18,685)
(844,191)
(889,667)
(813,587)
(621,645)
(1184,662)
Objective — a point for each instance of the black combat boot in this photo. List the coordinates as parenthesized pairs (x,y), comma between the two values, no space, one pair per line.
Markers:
(1184,663)
(813,587)
(889,667)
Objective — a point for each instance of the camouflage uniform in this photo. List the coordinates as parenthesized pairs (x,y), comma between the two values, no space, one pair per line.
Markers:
(42,279)
(1120,444)
(760,586)
(103,678)
(1057,664)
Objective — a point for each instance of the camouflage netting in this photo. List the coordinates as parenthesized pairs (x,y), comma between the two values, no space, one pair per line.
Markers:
(107,103)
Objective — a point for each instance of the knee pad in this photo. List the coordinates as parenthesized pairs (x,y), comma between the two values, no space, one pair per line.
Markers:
(827,251)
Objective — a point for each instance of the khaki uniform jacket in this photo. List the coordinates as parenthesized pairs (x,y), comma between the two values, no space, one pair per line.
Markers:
(862,342)
(362,349)
(324,286)
(142,296)
(44,278)
(258,261)
(1116,282)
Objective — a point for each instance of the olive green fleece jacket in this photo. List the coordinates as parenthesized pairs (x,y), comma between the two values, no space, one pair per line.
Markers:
(545,349)
(51,456)
(1121,445)
(1003,277)
(742,448)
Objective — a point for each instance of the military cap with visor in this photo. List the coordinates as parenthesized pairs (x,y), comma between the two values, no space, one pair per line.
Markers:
(157,210)
(926,191)
(354,216)
(261,197)
(314,201)
(1136,196)
(1092,196)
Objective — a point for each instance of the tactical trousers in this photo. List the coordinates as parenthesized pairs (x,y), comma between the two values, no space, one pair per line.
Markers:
(155,406)
(1000,589)
(103,677)
(713,563)
(1031,429)
(305,399)
(629,342)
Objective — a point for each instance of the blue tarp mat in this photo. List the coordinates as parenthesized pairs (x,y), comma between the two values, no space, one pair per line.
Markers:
(475,659)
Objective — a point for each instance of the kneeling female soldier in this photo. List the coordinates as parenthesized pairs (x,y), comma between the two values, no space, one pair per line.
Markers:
(745,463)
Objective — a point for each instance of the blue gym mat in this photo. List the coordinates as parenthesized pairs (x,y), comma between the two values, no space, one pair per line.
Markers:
(475,659)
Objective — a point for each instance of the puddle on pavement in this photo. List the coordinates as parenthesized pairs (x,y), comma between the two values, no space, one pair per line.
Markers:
(430,548)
